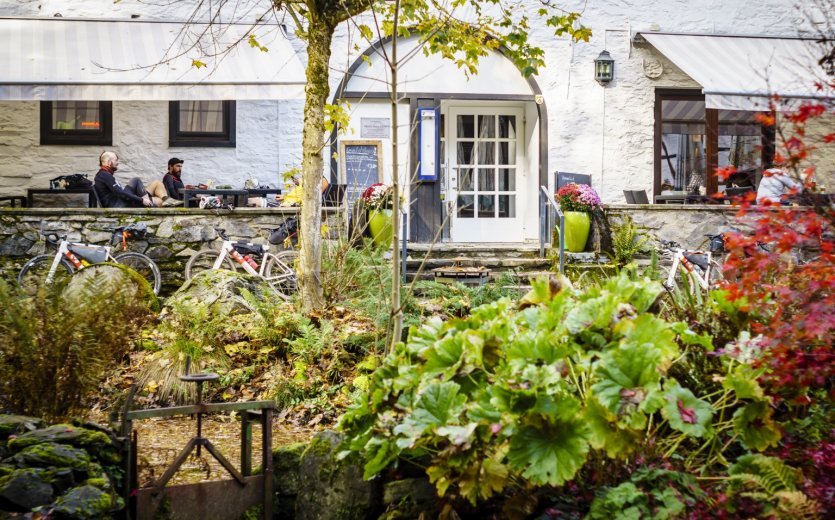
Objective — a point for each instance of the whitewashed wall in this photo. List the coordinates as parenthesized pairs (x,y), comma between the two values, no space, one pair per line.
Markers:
(606,132)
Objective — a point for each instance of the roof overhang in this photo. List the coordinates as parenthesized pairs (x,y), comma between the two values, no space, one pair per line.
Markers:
(746,72)
(47,59)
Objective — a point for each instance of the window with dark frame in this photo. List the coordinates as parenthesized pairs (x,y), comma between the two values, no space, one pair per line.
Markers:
(202,123)
(77,122)
(691,141)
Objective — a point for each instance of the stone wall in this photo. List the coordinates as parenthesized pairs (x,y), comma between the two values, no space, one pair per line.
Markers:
(173,234)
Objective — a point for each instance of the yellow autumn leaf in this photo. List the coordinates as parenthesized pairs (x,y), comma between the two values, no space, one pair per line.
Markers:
(197,63)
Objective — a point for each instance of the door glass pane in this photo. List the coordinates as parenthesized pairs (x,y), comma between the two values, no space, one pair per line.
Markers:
(76,115)
(486,206)
(507,206)
(486,126)
(486,153)
(465,152)
(507,153)
(465,206)
(507,179)
(466,126)
(486,179)
(465,179)
(507,127)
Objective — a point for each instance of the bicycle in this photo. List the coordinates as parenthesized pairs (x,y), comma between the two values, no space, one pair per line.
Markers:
(71,257)
(697,265)
(274,268)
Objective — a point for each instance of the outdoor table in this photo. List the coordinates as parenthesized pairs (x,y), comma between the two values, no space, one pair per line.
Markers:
(91,194)
(237,196)
(674,198)
(15,200)
(261,192)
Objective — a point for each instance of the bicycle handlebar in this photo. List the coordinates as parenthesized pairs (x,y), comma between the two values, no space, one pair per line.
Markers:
(221,232)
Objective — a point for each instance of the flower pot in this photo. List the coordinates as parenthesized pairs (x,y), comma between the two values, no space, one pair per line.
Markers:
(379,223)
(577,227)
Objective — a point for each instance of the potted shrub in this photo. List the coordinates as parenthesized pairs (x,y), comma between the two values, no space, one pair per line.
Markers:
(577,202)
(377,200)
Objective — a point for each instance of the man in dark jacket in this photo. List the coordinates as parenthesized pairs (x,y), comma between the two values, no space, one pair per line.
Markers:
(112,194)
(172,180)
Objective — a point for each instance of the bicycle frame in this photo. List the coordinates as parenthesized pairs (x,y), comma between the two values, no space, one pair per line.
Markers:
(226,250)
(679,259)
(63,249)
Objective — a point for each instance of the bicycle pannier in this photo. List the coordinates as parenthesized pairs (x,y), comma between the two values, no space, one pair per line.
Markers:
(717,244)
(70,182)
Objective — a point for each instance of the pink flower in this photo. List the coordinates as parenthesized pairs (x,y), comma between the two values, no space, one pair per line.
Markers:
(578,197)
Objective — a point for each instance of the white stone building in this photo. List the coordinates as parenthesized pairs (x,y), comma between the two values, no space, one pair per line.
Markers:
(678,105)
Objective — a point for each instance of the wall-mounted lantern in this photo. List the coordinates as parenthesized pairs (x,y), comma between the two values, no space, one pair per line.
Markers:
(604,68)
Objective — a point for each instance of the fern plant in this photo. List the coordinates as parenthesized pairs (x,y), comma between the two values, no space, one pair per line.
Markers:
(774,485)
(627,240)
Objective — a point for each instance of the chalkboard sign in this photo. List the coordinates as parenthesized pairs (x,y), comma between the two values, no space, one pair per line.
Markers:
(360,166)
(564,178)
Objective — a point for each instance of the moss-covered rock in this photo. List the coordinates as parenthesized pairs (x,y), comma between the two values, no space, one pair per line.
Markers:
(118,280)
(330,488)
(92,441)
(51,454)
(287,478)
(86,502)
(16,424)
(220,290)
(25,489)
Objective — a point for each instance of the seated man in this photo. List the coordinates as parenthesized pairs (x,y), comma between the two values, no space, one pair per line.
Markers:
(112,194)
(167,191)
(774,184)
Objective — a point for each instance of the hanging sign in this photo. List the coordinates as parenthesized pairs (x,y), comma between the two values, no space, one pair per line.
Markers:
(427,144)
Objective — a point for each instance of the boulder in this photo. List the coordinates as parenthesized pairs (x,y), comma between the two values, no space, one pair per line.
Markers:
(15,424)
(331,488)
(25,489)
(86,502)
(112,279)
(410,497)
(220,290)
(51,454)
(287,478)
(92,441)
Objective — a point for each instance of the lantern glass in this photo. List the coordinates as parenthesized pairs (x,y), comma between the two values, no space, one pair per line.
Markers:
(604,68)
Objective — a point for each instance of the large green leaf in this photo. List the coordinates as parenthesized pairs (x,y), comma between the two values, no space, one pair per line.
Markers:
(743,381)
(685,412)
(437,404)
(754,426)
(626,376)
(646,329)
(444,356)
(549,453)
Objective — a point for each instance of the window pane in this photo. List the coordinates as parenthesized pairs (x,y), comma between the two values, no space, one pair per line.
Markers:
(507,206)
(486,153)
(201,116)
(76,115)
(486,126)
(507,179)
(507,127)
(507,153)
(486,206)
(682,162)
(465,179)
(486,179)
(466,126)
(465,206)
(465,152)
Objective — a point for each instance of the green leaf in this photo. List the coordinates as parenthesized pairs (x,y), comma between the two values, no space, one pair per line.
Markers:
(444,357)
(379,454)
(649,330)
(743,381)
(627,376)
(605,434)
(551,453)
(754,426)
(770,473)
(685,412)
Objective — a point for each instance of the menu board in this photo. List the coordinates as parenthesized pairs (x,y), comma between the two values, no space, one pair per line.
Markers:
(360,163)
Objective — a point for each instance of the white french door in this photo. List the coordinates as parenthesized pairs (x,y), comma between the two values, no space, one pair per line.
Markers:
(486,180)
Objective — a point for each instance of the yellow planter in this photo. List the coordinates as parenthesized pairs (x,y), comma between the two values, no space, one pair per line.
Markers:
(379,223)
(577,227)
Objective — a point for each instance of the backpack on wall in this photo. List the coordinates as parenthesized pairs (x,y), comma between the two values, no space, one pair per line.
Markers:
(70,182)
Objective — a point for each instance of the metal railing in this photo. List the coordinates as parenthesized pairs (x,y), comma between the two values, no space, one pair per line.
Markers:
(548,208)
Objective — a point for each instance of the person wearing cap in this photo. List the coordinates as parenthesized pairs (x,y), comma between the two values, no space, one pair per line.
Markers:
(167,191)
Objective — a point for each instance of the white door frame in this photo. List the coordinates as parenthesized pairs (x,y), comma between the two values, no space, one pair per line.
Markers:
(494,181)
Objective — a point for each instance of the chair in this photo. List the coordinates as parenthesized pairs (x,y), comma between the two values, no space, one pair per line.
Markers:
(636,196)
(333,195)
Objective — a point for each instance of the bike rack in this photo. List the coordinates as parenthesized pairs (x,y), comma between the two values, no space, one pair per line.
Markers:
(212,499)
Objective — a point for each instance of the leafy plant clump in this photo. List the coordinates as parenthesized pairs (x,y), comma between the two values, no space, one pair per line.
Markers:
(55,345)
(527,393)
(627,241)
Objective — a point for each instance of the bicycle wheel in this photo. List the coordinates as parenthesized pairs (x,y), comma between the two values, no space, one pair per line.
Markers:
(716,275)
(280,273)
(143,265)
(205,260)
(33,274)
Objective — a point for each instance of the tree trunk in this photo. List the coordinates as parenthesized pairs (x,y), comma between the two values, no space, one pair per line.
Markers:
(320,34)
